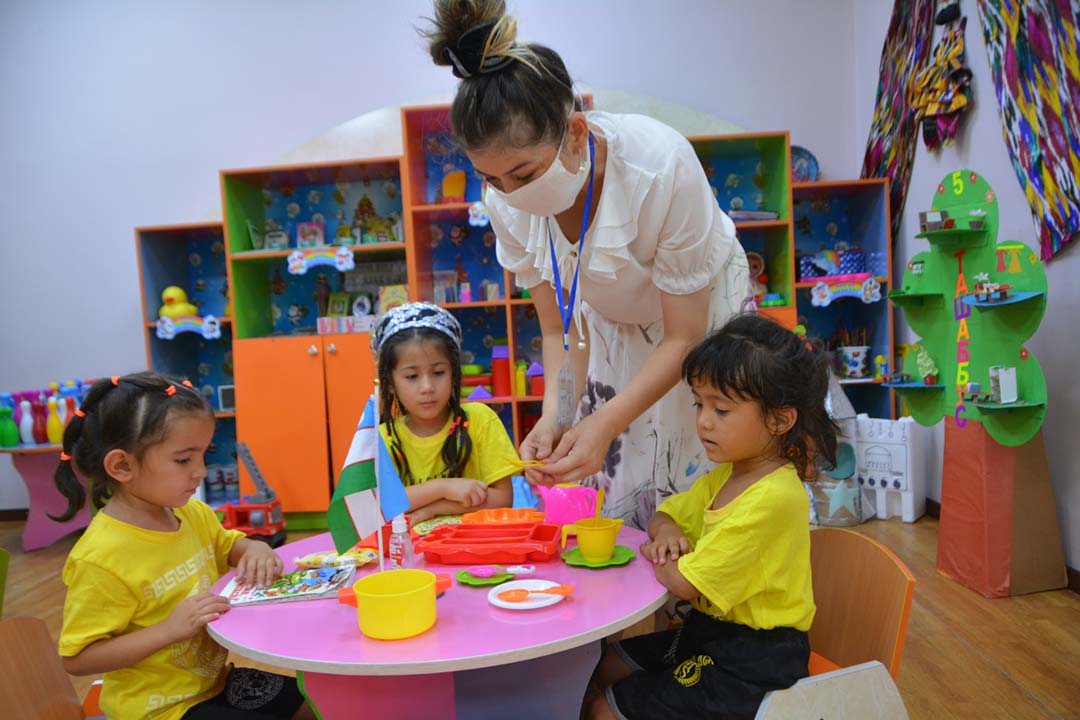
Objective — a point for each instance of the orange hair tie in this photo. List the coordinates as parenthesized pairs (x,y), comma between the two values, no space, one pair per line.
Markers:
(115,380)
(64,457)
(79,412)
(171,390)
(187,383)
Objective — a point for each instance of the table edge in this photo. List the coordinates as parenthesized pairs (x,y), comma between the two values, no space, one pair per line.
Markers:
(440,666)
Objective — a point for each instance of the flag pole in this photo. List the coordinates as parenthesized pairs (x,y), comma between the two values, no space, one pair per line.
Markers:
(378,500)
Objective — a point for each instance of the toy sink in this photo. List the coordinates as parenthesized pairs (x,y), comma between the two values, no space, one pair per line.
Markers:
(467,544)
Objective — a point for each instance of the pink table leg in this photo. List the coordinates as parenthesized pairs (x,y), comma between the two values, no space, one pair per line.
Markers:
(541,689)
(37,472)
(402,697)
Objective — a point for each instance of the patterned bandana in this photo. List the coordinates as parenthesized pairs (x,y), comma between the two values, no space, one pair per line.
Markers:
(415,315)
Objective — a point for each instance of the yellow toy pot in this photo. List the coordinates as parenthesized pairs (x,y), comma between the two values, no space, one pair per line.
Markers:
(595,537)
(395,604)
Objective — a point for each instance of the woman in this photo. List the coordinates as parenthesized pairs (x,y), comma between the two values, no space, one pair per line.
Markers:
(647,262)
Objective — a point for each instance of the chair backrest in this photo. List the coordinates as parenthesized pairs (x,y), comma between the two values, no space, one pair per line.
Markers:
(4,557)
(33,684)
(863,595)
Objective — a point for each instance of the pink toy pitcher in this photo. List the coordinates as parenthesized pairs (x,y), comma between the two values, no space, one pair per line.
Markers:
(565,505)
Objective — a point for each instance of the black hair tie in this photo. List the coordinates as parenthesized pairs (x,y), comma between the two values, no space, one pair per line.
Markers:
(467,56)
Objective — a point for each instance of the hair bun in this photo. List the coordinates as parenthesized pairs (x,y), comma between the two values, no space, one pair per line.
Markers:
(472,36)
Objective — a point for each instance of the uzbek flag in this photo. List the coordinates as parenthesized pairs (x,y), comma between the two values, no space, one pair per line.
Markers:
(366,497)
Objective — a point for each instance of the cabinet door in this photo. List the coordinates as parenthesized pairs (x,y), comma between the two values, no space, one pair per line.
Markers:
(281,415)
(350,376)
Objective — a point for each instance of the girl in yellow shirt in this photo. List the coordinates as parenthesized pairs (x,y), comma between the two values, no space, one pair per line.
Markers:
(138,580)
(452,457)
(737,544)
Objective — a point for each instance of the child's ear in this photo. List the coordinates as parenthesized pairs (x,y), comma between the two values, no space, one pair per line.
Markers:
(119,465)
(782,420)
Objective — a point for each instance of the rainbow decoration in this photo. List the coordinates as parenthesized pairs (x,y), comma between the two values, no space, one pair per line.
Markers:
(863,286)
(209,327)
(300,261)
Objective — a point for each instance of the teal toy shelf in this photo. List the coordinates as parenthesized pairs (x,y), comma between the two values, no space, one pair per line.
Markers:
(1012,299)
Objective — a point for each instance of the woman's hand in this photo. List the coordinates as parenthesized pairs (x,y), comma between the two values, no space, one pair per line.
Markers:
(192,615)
(538,445)
(580,452)
(469,493)
(259,565)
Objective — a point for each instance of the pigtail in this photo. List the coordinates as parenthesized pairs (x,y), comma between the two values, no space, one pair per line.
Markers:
(82,453)
(458,446)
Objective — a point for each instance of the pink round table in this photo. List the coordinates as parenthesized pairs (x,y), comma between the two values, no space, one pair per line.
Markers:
(478,661)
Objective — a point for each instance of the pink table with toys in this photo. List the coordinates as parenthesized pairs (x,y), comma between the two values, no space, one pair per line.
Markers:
(478,661)
(37,464)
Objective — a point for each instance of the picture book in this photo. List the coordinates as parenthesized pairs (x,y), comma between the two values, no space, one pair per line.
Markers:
(307,584)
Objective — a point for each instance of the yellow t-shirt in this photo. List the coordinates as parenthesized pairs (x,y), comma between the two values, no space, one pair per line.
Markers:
(751,558)
(489,461)
(122,578)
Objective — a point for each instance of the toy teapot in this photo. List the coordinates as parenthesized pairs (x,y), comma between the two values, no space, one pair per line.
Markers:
(566,504)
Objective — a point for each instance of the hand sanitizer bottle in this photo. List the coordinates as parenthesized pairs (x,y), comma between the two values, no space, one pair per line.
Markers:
(401,550)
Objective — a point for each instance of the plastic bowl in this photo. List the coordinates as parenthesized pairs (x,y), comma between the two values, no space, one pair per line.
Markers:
(395,604)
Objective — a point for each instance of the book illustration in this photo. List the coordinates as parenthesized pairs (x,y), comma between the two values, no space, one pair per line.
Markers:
(309,584)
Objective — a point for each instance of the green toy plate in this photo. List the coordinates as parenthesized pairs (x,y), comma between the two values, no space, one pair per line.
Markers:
(466,578)
(621,556)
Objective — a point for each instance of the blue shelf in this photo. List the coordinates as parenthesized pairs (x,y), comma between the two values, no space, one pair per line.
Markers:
(1012,299)
(992,407)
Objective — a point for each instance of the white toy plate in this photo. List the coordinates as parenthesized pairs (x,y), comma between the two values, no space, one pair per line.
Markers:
(534,601)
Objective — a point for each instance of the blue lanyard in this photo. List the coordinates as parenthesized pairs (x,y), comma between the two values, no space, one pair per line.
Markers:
(567,311)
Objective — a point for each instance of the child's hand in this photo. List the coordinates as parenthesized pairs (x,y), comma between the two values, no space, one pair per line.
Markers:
(259,565)
(668,543)
(191,616)
(469,493)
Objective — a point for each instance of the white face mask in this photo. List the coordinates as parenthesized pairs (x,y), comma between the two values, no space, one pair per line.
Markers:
(554,191)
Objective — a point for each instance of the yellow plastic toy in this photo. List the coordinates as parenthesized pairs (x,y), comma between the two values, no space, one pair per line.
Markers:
(395,604)
(176,304)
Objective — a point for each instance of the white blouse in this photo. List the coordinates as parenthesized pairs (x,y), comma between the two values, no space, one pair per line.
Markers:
(657,227)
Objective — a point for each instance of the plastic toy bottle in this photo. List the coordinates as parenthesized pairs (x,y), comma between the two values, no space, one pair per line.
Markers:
(519,379)
(26,423)
(500,371)
(54,426)
(401,550)
(41,435)
(9,431)
(70,409)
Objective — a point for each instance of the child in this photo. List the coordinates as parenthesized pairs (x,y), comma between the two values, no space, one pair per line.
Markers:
(452,457)
(737,544)
(138,579)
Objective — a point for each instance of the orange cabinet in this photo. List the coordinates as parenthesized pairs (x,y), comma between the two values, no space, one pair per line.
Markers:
(298,401)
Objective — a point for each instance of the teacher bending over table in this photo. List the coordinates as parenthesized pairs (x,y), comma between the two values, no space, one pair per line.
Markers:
(609,221)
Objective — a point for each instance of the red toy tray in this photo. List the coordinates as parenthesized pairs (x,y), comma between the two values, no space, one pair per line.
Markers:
(466,544)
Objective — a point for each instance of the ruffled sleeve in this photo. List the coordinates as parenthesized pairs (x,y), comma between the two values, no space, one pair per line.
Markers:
(696,236)
(512,235)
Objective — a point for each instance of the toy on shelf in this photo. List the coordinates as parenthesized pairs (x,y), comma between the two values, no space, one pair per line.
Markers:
(535,374)
(881,364)
(928,369)
(176,304)
(500,371)
(759,279)
(973,392)
(977,217)
(259,516)
(520,384)
(986,291)
(54,426)
(1003,385)
(310,234)
(932,220)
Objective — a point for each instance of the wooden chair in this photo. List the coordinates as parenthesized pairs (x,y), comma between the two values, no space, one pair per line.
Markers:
(863,594)
(33,684)
(4,558)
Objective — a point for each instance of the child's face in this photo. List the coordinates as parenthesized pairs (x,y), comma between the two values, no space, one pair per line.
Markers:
(423,380)
(169,473)
(732,430)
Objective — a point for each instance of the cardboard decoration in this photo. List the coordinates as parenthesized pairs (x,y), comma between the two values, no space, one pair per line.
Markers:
(975,302)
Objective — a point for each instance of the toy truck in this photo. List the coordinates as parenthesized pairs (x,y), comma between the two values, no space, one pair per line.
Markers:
(258,516)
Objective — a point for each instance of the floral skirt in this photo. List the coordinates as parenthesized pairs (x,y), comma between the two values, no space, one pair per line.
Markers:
(659,455)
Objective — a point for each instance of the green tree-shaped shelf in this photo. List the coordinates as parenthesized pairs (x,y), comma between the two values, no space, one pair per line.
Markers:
(966,335)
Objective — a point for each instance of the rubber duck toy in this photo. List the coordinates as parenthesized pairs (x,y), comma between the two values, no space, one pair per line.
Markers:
(176,304)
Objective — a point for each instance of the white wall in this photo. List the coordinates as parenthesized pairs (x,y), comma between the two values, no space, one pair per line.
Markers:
(981,147)
(120,113)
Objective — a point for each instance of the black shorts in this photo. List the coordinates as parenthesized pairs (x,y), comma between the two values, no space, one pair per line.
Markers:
(251,694)
(706,668)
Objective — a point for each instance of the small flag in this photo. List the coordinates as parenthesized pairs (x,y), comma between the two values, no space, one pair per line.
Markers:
(355,510)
